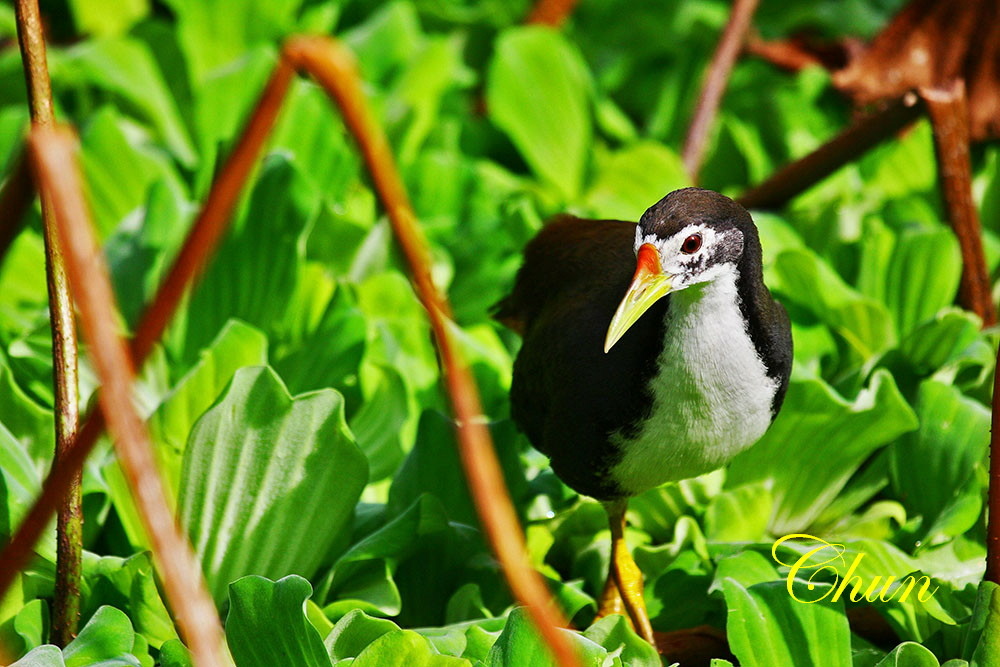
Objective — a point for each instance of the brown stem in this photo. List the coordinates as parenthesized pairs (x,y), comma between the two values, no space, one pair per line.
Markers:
(993,495)
(198,246)
(69,527)
(715,84)
(54,161)
(333,67)
(798,176)
(36,71)
(16,195)
(551,12)
(947,109)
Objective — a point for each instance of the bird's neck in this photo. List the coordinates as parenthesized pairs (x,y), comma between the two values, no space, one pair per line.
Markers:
(709,305)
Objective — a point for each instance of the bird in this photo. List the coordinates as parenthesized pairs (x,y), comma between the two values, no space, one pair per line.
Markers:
(651,352)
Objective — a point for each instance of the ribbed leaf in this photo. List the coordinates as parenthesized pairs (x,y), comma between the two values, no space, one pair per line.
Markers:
(817,442)
(42,656)
(766,627)
(268,481)
(930,466)
(236,346)
(256,270)
(215,32)
(267,624)
(922,276)
(125,67)
(804,278)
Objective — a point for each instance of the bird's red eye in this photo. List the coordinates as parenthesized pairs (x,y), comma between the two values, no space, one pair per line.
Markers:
(691,244)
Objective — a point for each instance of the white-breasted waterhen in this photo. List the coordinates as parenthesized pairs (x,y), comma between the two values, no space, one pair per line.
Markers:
(652,352)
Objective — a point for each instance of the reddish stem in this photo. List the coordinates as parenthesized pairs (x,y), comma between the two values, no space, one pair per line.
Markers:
(54,161)
(551,12)
(715,84)
(949,114)
(798,176)
(198,246)
(333,67)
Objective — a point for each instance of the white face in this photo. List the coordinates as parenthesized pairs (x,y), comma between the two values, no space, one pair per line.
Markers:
(696,254)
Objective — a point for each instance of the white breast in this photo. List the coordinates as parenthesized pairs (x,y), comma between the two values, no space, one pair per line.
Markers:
(711,393)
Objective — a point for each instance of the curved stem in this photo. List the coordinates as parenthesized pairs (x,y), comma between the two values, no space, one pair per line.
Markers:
(715,84)
(332,66)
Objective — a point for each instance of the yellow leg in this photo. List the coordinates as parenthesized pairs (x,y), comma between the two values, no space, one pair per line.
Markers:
(626,574)
(610,601)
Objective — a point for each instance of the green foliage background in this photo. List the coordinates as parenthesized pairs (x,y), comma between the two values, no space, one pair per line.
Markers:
(295,403)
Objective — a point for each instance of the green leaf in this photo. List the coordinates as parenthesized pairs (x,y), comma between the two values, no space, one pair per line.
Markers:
(912,602)
(267,624)
(471,639)
(339,330)
(520,645)
(121,172)
(210,36)
(538,93)
(766,627)
(27,421)
(129,584)
(43,656)
(804,278)
(20,482)
(630,180)
(615,634)
(23,297)
(817,442)
(747,568)
(91,16)
(354,632)
(923,275)
(902,167)
(986,619)
(32,623)
(433,466)
(909,654)
(404,647)
(364,574)
(237,345)
(256,270)
(174,654)
(378,422)
(930,466)
(935,342)
(138,250)
(739,514)
(107,636)
(125,68)
(268,481)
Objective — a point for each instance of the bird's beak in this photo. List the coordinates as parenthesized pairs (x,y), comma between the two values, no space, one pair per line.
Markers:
(649,285)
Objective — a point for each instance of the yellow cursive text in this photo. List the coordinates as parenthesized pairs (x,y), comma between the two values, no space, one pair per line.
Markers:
(818,559)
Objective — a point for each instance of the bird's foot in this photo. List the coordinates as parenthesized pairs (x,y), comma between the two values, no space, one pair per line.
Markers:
(610,601)
(626,575)
(628,578)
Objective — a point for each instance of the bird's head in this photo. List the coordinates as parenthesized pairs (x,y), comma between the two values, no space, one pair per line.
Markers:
(689,237)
